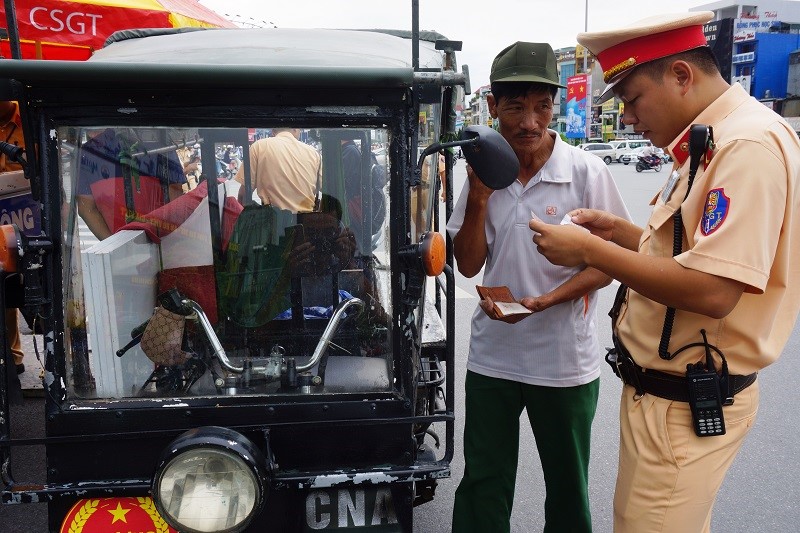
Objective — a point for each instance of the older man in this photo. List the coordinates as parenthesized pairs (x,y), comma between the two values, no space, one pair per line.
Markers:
(549,363)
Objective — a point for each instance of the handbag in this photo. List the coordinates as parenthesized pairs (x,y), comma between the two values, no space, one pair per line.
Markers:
(162,339)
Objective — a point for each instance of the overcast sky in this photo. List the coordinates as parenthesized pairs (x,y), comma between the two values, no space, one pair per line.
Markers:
(485,27)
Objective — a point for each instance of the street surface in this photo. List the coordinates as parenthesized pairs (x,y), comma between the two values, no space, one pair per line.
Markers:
(760,493)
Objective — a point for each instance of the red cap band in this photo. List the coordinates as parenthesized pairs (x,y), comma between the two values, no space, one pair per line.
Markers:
(640,50)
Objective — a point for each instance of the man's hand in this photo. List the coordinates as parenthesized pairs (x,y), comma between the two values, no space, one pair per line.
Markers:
(561,244)
(476,187)
(299,258)
(488,307)
(535,303)
(600,223)
(469,244)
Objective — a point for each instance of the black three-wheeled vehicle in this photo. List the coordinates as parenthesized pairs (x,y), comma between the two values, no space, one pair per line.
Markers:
(217,359)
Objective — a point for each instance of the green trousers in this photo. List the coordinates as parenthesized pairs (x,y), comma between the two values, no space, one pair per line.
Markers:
(561,419)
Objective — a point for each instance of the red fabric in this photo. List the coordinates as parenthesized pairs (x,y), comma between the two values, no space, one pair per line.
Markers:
(109,195)
(164,220)
(62,52)
(81,23)
(74,22)
(197,283)
(190,8)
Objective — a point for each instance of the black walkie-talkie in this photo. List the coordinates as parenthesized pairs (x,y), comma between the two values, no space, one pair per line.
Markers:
(705,401)
(705,396)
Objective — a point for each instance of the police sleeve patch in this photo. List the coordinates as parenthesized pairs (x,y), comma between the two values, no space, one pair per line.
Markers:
(715,211)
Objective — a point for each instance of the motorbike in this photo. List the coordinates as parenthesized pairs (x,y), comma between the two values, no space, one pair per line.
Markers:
(649,163)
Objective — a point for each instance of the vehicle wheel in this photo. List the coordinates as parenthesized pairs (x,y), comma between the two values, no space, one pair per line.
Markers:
(607,159)
(624,162)
(658,167)
(639,167)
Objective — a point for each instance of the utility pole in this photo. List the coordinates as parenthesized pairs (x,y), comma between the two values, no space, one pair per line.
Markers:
(585,29)
(588,111)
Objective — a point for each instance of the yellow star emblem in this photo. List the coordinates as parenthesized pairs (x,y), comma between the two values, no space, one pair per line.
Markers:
(119,513)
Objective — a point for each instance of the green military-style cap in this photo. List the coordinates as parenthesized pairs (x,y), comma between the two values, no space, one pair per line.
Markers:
(523,61)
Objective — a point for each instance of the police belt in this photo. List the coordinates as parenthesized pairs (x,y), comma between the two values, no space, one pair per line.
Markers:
(661,384)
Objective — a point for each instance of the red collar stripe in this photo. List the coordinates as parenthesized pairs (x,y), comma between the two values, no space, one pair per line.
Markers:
(680,151)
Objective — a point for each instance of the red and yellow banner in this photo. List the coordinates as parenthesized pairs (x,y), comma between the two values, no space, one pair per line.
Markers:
(45,24)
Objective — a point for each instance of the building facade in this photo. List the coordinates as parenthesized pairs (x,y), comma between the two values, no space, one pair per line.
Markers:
(756,45)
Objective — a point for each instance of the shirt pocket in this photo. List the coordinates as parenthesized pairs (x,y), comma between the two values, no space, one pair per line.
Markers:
(659,239)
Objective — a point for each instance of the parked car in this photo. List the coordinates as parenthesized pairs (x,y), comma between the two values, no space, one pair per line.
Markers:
(623,146)
(631,156)
(602,150)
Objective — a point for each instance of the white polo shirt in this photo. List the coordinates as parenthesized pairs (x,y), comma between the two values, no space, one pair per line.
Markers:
(557,347)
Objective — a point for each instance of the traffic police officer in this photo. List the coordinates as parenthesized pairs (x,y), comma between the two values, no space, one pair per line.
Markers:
(716,299)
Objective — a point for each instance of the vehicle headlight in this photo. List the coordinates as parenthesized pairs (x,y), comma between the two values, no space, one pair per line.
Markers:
(210,479)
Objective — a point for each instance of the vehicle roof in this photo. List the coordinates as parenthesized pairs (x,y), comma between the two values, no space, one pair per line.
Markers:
(241,57)
(267,47)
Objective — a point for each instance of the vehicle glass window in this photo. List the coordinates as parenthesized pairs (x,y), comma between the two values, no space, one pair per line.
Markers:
(247,286)
(423,198)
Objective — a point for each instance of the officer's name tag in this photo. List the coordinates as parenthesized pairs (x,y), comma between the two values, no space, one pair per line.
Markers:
(670,186)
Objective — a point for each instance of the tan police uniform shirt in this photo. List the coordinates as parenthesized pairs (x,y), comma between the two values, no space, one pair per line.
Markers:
(284,172)
(740,222)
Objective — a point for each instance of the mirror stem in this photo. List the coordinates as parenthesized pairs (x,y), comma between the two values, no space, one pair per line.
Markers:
(435,147)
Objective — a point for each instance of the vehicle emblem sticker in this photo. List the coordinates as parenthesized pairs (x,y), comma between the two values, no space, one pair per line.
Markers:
(715,211)
(115,514)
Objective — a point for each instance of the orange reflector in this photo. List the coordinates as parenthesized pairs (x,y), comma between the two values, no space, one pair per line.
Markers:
(111,515)
(432,251)
(9,249)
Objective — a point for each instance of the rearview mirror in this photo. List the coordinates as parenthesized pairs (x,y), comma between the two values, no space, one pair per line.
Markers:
(486,151)
(490,156)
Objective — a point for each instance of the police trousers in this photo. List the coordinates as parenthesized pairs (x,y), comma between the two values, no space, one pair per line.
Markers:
(668,477)
(561,419)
